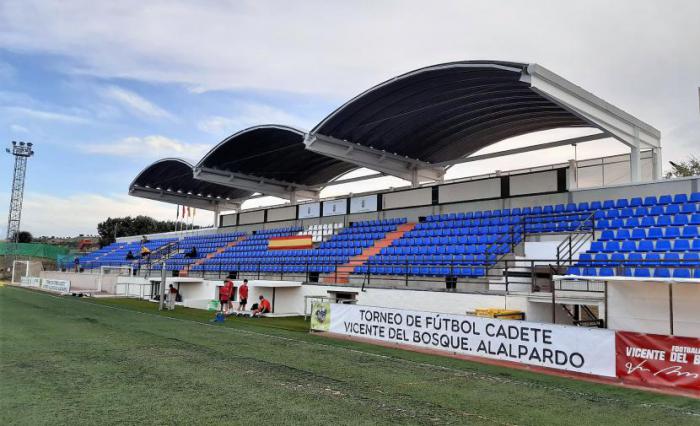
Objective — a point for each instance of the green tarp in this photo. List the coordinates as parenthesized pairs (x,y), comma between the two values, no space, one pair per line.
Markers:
(32,250)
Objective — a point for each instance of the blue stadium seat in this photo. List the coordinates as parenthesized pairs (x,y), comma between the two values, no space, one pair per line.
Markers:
(695,219)
(691,258)
(638,234)
(628,246)
(663,220)
(600,259)
(642,272)
(647,222)
(655,211)
(621,203)
(695,197)
(622,234)
(652,259)
(617,258)
(636,202)
(672,232)
(680,220)
(680,199)
(662,273)
(688,208)
(607,235)
(645,245)
(665,199)
(606,272)
(681,273)
(610,246)
(681,245)
(690,232)
(649,201)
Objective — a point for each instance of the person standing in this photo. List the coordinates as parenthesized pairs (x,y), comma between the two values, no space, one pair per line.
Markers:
(172,296)
(231,291)
(76,262)
(243,296)
(224,297)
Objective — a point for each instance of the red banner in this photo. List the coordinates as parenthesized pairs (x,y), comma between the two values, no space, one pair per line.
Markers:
(658,361)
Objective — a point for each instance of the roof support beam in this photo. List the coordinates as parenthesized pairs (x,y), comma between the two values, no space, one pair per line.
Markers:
(392,164)
(262,185)
(621,125)
(185,199)
(547,145)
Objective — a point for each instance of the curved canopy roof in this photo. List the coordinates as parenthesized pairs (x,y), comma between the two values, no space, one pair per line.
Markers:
(276,153)
(172,180)
(271,160)
(446,111)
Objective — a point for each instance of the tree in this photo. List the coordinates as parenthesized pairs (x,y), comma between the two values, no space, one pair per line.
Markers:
(116,227)
(23,237)
(688,168)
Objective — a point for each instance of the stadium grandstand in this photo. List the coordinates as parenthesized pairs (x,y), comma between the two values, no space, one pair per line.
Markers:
(543,244)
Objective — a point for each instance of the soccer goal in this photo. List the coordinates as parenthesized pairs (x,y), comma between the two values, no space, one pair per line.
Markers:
(25,268)
(112,271)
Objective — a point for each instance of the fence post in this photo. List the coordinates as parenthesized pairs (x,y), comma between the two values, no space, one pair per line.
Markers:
(369,274)
(507,278)
(407,272)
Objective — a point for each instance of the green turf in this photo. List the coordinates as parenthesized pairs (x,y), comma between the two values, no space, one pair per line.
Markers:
(84,361)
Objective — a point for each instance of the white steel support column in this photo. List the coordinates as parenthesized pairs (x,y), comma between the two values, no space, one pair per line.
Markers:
(217,214)
(656,164)
(635,166)
(573,174)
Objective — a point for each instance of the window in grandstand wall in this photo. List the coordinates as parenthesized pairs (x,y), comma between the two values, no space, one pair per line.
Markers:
(343,296)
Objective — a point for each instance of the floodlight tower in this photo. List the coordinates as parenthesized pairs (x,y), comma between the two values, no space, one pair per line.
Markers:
(22,151)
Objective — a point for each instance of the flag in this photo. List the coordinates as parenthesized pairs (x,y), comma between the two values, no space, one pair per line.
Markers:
(177,214)
(183,212)
(193,211)
(188,211)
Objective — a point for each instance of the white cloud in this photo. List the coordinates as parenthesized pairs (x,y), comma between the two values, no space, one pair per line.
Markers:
(46,115)
(134,103)
(16,128)
(150,147)
(250,114)
(46,214)
(640,55)
(7,72)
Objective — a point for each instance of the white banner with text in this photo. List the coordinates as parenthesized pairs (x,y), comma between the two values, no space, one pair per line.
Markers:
(62,286)
(577,349)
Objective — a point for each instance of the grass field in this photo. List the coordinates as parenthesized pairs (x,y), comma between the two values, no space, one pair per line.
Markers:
(84,361)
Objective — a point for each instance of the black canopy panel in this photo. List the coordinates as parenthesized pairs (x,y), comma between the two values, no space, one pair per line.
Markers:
(445,112)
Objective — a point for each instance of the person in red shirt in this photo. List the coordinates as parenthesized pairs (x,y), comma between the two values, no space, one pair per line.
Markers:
(231,293)
(264,307)
(243,296)
(224,297)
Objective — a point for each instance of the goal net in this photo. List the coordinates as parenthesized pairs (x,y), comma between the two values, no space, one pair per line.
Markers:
(25,268)
(108,275)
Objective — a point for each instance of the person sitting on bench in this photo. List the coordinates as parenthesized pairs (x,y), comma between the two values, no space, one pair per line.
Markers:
(130,255)
(263,307)
(192,254)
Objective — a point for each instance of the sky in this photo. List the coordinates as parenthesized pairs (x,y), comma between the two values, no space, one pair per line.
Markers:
(104,88)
